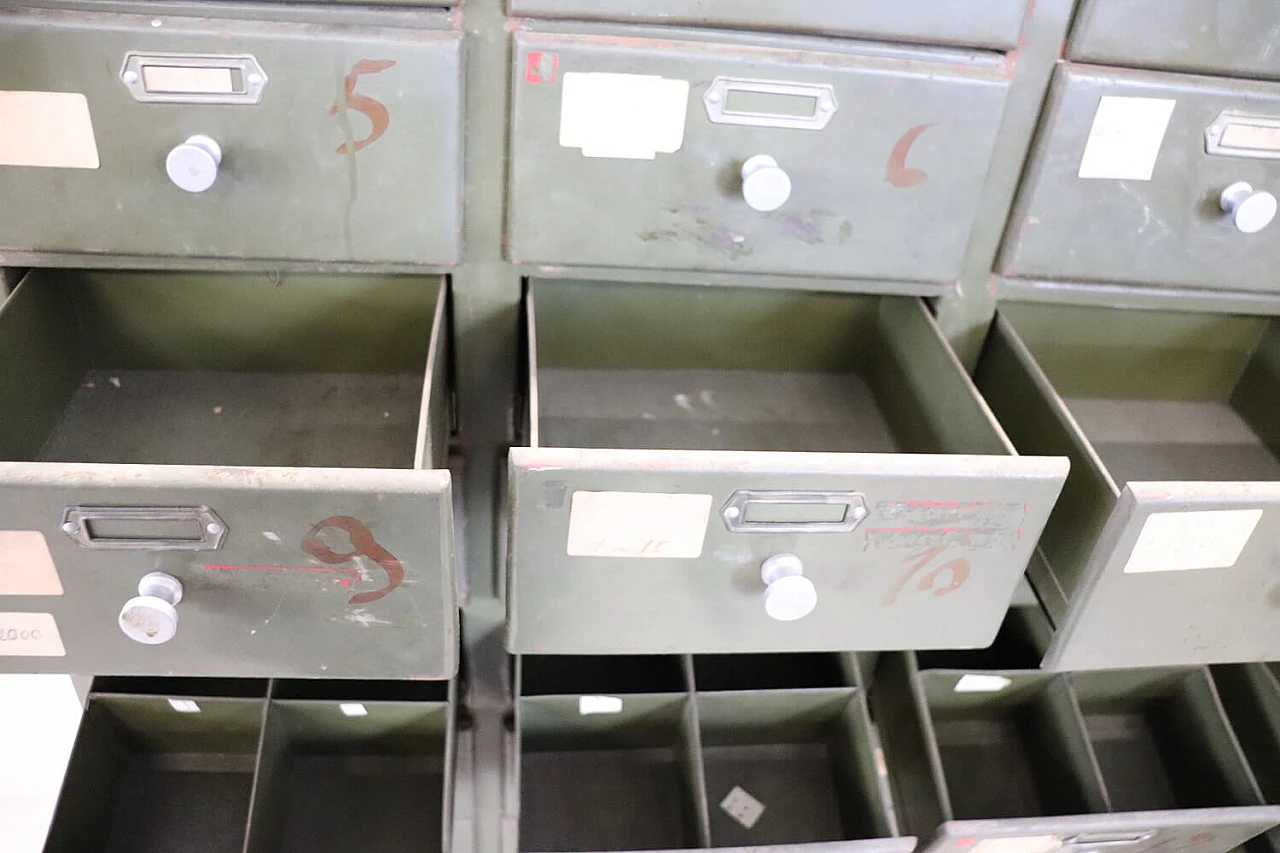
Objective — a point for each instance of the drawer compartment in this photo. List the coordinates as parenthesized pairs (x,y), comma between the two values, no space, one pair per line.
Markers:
(1144,203)
(602,764)
(1160,551)
(272,446)
(231,765)
(683,436)
(359,767)
(145,776)
(1235,37)
(1022,756)
(291,175)
(981,24)
(1251,696)
(865,141)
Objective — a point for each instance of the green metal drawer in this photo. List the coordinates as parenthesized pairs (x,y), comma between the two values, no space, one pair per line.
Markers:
(979,24)
(686,442)
(1251,697)
(319,128)
(273,446)
(1162,548)
(1142,202)
(637,754)
(1132,761)
(1237,37)
(175,764)
(878,145)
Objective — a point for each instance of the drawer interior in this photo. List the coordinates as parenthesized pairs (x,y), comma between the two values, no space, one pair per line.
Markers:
(1251,696)
(146,776)
(216,369)
(361,771)
(797,753)
(692,767)
(1007,754)
(1159,395)
(1020,644)
(240,765)
(1161,740)
(665,367)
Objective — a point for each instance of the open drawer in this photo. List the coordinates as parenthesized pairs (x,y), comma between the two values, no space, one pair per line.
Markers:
(1163,546)
(714,471)
(235,765)
(1121,760)
(217,474)
(774,752)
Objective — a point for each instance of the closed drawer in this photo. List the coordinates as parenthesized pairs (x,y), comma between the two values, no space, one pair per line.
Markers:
(272,447)
(177,764)
(1132,761)
(1213,36)
(664,753)
(989,24)
(1142,203)
(878,146)
(688,442)
(1162,548)
(306,134)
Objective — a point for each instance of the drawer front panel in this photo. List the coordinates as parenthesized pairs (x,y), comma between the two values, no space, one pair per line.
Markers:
(1142,204)
(883,151)
(1150,598)
(980,24)
(317,130)
(314,573)
(1211,36)
(932,564)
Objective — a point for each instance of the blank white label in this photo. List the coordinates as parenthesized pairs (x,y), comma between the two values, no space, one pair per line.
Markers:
(651,525)
(186,80)
(588,705)
(1020,844)
(50,129)
(185,706)
(26,566)
(978,683)
(31,635)
(1125,139)
(742,807)
(624,116)
(1184,541)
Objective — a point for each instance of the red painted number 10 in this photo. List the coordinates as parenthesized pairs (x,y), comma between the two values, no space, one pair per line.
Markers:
(957,568)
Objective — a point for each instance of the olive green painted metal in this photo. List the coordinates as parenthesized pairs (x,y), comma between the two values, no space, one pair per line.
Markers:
(886,164)
(977,24)
(292,416)
(316,170)
(1132,761)
(1231,37)
(749,401)
(652,771)
(1170,231)
(1251,696)
(1169,420)
(240,765)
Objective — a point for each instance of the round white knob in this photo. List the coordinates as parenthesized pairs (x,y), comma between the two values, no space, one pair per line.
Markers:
(764,185)
(152,617)
(790,595)
(193,165)
(1251,210)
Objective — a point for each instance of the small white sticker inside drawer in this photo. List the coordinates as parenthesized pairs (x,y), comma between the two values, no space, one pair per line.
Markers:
(650,525)
(1187,541)
(975,682)
(588,705)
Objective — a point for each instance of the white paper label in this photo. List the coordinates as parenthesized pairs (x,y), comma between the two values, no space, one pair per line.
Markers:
(1020,844)
(588,705)
(1183,541)
(184,80)
(26,566)
(32,635)
(185,706)
(624,116)
(637,524)
(977,683)
(742,807)
(51,129)
(1125,139)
